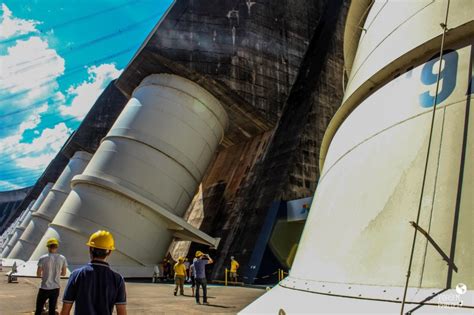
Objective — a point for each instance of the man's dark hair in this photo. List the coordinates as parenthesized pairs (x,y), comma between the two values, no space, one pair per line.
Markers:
(99,252)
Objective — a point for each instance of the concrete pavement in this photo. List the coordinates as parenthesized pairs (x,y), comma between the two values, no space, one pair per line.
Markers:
(143,298)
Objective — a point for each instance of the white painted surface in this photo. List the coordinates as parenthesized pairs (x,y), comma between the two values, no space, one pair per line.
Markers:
(17,250)
(8,262)
(151,161)
(292,301)
(396,27)
(358,232)
(16,225)
(51,204)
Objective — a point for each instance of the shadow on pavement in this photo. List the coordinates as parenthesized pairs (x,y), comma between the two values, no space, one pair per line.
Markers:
(219,306)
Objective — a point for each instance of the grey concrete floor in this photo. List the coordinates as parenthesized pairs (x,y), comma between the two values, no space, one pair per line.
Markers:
(143,298)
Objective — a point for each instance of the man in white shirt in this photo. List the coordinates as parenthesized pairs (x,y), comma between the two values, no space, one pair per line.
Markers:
(50,268)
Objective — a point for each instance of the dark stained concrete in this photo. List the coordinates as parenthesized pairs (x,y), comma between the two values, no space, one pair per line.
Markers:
(246,53)
(284,164)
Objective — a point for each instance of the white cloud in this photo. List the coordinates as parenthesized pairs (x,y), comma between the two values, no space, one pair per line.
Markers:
(11,26)
(40,151)
(29,69)
(17,74)
(52,138)
(84,95)
(36,162)
(8,144)
(59,97)
(6,185)
(46,146)
(33,120)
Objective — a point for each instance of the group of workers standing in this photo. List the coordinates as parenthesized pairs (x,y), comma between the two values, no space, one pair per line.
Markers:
(96,289)
(197,274)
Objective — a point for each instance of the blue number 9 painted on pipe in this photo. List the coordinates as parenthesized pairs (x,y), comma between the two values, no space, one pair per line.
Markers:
(447,78)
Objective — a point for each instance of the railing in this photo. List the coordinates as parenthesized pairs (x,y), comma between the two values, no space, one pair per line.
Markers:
(280,272)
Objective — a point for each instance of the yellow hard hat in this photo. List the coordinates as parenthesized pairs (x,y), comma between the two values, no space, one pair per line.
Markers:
(52,241)
(102,239)
(181,259)
(199,253)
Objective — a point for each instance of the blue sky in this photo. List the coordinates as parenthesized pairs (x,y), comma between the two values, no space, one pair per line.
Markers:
(56,57)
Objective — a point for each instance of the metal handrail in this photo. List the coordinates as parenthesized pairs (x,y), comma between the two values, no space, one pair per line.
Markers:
(445,30)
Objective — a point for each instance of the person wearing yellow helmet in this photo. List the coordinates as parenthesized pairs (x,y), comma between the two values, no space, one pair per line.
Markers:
(199,267)
(179,276)
(95,287)
(50,269)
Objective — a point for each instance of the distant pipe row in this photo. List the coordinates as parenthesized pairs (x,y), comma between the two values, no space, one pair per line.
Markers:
(137,185)
(41,217)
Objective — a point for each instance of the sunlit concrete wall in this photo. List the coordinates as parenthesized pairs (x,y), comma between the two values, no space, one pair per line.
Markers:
(357,239)
(146,169)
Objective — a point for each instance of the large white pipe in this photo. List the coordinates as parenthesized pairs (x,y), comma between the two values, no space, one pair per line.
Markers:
(17,247)
(10,233)
(25,212)
(12,227)
(15,231)
(14,224)
(13,237)
(358,242)
(144,175)
(51,204)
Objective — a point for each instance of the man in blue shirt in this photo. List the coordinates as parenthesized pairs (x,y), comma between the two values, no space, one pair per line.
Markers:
(95,287)
(200,263)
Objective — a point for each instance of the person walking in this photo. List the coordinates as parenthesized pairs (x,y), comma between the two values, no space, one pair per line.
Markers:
(179,276)
(187,264)
(192,274)
(200,263)
(50,269)
(95,288)
(234,265)
(166,269)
